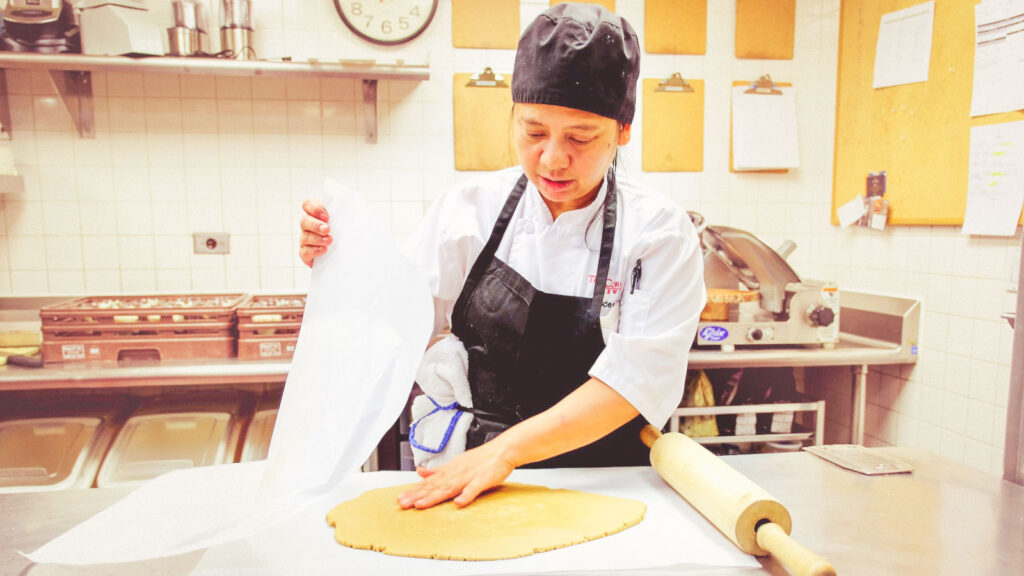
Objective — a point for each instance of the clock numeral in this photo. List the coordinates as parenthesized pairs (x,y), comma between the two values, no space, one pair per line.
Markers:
(403,23)
(368,20)
(415,11)
(385,26)
(357,9)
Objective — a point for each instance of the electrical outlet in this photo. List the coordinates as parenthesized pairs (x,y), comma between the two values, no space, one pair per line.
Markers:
(212,242)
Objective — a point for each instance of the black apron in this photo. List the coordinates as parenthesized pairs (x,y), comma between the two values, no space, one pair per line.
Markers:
(529,349)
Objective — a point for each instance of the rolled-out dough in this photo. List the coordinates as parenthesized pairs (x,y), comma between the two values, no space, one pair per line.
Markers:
(510,521)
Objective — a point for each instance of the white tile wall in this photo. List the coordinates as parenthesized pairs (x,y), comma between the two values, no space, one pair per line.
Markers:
(180,154)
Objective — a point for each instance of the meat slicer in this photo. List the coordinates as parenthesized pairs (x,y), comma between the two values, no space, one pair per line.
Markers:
(756,299)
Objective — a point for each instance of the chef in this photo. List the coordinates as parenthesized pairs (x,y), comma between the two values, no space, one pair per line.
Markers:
(575,290)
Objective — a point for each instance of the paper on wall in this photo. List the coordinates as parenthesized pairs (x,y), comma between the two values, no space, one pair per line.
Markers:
(851,212)
(368,317)
(904,49)
(764,129)
(995,184)
(998,57)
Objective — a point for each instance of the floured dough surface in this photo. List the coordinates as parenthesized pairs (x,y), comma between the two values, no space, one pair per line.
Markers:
(512,520)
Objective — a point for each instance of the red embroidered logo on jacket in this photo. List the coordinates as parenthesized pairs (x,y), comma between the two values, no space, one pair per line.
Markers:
(611,286)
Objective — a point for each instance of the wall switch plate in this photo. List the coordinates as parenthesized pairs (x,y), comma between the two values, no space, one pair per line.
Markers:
(212,242)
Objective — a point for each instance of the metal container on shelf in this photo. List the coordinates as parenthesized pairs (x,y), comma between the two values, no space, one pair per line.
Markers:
(188,35)
(56,445)
(260,429)
(236,33)
(172,433)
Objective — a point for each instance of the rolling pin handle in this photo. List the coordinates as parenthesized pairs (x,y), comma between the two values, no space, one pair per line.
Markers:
(649,434)
(799,560)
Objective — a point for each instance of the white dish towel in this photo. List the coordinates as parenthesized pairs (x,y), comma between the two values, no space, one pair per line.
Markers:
(439,428)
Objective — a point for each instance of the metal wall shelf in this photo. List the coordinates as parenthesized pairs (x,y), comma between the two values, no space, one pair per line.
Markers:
(72,76)
(816,406)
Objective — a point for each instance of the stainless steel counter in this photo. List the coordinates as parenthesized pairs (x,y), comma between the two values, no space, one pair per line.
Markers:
(944,518)
(875,330)
(168,373)
(849,352)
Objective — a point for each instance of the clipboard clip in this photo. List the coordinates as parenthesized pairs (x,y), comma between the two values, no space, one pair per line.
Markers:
(674,83)
(488,79)
(764,85)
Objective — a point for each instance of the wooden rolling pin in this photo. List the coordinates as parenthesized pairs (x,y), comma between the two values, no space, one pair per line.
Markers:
(740,509)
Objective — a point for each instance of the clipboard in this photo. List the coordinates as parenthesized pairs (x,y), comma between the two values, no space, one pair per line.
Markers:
(485,24)
(765,29)
(763,86)
(608,4)
(482,114)
(673,125)
(676,26)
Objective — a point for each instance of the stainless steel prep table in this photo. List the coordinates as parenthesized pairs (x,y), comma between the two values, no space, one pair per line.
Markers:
(944,518)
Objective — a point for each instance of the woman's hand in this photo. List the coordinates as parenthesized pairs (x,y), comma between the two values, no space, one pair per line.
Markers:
(316,233)
(461,480)
(588,413)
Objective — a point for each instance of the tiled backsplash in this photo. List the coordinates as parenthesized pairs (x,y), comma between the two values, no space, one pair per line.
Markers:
(175,155)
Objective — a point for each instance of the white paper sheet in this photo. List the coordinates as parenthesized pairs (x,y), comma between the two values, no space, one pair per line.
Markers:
(672,532)
(904,49)
(995,186)
(368,318)
(851,212)
(764,130)
(998,57)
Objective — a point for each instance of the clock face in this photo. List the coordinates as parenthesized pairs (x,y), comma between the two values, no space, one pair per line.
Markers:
(387,21)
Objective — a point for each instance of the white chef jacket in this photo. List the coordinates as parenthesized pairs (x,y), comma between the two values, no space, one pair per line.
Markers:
(648,328)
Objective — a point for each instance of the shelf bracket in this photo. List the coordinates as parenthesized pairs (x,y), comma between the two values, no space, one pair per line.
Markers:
(370,110)
(5,108)
(75,89)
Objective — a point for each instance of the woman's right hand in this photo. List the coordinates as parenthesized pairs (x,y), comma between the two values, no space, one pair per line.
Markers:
(316,232)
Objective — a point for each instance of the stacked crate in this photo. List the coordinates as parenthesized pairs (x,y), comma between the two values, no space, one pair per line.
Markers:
(154,328)
(268,326)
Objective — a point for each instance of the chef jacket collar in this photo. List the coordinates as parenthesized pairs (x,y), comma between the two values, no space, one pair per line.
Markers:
(535,209)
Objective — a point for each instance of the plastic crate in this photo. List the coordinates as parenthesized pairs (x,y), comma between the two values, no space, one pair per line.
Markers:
(268,326)
(157,327)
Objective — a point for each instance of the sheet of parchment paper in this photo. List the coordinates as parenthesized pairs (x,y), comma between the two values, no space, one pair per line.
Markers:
(367,321)
(672,533)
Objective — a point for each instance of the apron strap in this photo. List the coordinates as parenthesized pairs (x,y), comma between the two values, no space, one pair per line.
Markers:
(605,258)
(483,261)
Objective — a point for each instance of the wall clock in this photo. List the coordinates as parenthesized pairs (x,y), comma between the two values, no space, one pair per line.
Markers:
(386,22)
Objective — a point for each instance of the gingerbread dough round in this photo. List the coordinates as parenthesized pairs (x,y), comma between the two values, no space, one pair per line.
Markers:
(510,521)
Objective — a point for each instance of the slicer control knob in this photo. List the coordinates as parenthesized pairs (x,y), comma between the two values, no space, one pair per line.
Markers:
(755,334)
(821,316)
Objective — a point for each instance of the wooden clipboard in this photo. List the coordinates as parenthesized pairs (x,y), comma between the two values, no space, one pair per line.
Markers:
(673,125)
(608,4)
(483,123)
(731,169)
(485,24)
(676,26)
(765,29)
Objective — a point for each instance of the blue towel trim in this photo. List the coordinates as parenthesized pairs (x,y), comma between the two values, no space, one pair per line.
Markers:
(447,433)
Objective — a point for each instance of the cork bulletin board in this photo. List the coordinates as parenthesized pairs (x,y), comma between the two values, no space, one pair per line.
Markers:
(919,134)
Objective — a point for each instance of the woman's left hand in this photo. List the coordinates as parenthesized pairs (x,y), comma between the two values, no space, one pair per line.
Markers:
(461,480)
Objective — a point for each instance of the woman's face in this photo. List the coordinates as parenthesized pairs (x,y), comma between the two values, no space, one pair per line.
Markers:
(566,152)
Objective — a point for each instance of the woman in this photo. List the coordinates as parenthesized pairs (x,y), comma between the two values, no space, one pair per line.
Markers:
(576,295)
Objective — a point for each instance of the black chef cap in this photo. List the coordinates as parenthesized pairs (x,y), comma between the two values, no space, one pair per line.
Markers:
(579,56)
